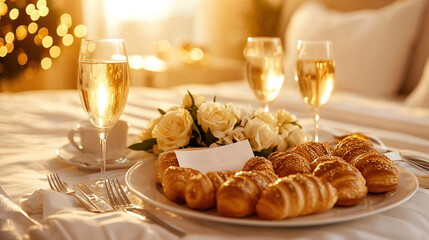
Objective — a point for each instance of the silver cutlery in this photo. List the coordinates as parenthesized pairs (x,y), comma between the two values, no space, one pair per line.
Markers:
(57,184)
(99,203)
(119,201)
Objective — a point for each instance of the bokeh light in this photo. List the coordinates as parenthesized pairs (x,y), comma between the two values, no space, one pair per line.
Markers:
(22,58)
(80,31)
(68,40)
(66,20)
(14,13)
(46,63)
(62,30)
(47,41)
(55,51)
(32,27)
(21,32)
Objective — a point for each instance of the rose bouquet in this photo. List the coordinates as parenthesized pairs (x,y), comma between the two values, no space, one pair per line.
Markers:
(197,123)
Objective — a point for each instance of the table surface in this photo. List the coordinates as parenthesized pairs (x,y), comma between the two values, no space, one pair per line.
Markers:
(33,125)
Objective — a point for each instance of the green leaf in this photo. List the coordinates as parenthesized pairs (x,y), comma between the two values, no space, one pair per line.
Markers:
(198,137)
(210,138)
(146,145)
(192,99)
(162,112)
(265,152)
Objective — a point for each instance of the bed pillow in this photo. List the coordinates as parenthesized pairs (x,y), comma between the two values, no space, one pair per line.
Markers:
(371,47)
(420,96)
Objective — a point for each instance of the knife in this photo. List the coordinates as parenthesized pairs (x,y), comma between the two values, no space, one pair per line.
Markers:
(99,203)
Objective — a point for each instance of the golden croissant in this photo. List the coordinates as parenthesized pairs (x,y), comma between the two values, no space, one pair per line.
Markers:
(296,195)
(237,196)
(174,182)
(286,163)
(380,173)
(258,164)
(200,191)
(349,182)
(165,160)
(312,150)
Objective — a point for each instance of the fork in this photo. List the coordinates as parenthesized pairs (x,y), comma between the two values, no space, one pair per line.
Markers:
(57,184)
(119,201)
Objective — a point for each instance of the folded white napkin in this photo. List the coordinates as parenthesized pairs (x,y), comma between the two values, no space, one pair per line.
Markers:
(63,218)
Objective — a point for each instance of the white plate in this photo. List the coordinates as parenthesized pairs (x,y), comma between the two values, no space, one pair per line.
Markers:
(67,152)
(140,180)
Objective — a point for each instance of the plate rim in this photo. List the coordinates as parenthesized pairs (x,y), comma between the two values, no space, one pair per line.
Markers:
(288,222)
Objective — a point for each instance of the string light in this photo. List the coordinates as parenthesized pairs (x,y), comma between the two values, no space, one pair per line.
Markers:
(32,36)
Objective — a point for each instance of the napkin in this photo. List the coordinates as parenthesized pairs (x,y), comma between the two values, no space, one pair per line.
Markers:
(63,218)
(14,222)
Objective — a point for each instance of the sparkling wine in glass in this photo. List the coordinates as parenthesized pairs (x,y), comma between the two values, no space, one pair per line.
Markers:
(264,68)
(103,84)
(315,74)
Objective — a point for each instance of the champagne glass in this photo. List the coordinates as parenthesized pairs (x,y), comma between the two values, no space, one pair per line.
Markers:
(103,84)
(264,68)
(315,74)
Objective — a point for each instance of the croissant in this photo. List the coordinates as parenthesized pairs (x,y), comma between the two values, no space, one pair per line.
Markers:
(319,160)
(165,160)
(237,196)
(200,191)
(296,195)
(379,171)
(349,182)
(351,147)
(286,163)
(174,182)
(311,150)
(258,163)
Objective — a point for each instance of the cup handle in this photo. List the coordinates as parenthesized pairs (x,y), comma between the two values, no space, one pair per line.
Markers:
(71,135)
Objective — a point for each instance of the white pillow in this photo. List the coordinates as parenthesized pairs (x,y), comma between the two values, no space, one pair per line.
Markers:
(419,97)
(371,47)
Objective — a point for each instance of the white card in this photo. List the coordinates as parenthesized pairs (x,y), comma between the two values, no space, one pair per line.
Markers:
(228,157)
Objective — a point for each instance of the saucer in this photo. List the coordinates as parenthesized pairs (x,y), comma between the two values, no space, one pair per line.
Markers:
(73,156)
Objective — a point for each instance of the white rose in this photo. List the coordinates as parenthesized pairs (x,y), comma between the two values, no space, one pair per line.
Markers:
(198,100)
(282,143)
(219,119)
(147,133)
(265,116)
(173,130)
(261,134)
(284,117)
(296,137)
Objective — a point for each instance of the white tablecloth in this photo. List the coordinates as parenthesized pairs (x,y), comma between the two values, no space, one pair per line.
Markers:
(33,125)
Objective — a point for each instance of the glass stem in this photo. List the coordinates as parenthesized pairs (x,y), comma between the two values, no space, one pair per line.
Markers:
(266,107)
(316,118)
(103,143)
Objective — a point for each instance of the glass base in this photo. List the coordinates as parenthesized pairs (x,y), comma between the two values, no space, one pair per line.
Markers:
(99,188)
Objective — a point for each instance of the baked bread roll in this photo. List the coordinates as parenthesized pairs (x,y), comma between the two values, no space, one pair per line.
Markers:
(286,163)
(319,160)
(165,160)
(296,195)
(379,171)
(200,191)
(174,182)
(311,150)
(351,147)
(237,196)
(258,163)
(349,182)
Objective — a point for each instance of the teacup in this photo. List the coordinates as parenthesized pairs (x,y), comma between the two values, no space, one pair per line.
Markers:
(89,141)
